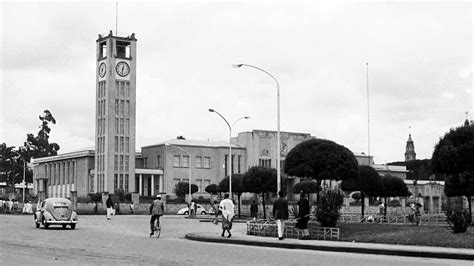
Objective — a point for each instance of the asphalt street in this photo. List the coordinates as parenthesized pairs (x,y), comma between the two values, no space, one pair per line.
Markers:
(125,240)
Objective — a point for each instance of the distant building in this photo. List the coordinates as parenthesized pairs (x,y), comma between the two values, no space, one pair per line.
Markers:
(410,154)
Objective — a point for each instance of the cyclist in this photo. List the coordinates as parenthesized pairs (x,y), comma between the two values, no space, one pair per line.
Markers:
(157,209)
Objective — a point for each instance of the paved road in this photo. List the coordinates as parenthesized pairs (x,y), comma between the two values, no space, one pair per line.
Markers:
(124,240)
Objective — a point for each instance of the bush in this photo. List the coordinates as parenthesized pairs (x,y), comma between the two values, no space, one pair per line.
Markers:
(394,203)
(120,194)
(327,211)
(356,196)
(96,197)
(458,221)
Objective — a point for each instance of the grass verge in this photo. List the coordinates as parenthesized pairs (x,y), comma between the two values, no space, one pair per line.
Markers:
(439,236)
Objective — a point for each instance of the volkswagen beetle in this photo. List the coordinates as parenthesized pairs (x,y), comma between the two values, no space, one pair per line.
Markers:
(56,211)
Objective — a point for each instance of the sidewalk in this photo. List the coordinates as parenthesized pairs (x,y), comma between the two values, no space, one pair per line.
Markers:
(241,238)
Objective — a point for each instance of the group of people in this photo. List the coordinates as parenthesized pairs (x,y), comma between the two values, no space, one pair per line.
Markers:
(11,206)
(280,214)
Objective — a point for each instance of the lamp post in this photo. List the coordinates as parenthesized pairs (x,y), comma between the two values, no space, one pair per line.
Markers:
(229,161)
(189,174)
(278,119)
(24,170)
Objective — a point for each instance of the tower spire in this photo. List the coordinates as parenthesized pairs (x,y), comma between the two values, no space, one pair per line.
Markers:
(410,154)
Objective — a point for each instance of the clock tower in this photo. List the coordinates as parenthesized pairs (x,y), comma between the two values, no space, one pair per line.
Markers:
(115,114)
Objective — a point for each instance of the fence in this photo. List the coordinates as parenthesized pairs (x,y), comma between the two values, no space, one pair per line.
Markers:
(269,228)
(431,219)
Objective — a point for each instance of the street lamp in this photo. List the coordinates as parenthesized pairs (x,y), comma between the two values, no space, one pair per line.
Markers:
(189,174)
(24,170)
(278,119)
(229,161)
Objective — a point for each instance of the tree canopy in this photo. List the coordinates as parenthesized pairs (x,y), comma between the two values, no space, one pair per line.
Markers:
(212,189)
(39,146)
(368,182)
(307,187)
(237,186)
(321,159)
(393,187)
(260,180)
(182,188)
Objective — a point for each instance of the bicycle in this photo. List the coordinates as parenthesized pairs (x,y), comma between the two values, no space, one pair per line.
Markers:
(156,229)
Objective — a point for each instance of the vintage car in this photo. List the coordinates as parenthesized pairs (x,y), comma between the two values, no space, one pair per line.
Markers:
(56,211)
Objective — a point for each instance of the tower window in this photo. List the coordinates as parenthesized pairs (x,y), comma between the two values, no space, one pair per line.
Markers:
(103,50)
(123,49)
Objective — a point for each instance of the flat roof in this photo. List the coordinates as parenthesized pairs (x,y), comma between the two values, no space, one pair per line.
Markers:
(196,143)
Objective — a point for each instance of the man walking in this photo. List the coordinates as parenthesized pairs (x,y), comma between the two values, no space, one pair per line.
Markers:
(226,206)
(280,213)
(110,206)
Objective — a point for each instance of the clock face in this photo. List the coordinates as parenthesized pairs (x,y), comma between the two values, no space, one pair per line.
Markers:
(102,69)
(122,69)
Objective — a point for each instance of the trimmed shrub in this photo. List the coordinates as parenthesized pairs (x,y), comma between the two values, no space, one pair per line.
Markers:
(327,211)
(458,221)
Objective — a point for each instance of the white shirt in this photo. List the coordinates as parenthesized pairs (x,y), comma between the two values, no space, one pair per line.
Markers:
(227,208)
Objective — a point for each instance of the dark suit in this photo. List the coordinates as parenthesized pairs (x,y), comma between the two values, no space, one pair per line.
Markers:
(280,214)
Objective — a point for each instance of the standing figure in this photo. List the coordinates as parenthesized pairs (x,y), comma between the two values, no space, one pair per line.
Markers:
(280,213)
(132,207)
(303,216)
(254,210)
(110,206)
(191,208)
(227,209)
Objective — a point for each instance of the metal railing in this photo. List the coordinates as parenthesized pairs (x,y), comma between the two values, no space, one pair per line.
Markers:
(431,220)
(269,228)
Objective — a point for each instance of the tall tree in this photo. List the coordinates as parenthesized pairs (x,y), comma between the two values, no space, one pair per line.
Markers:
(368,183)
(212,189)
(260,180)
(9,168)
(306,186)
(181,189)
(321,159)
(454,156)
(39,146)
(237,186)
(392,187)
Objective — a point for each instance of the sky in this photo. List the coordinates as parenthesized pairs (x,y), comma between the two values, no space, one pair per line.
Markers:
(419,71)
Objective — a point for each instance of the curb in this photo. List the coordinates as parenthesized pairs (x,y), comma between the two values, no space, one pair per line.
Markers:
(363,250)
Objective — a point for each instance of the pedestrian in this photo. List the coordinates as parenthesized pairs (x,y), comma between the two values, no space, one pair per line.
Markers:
(303,216)
(381,209)
(280,213)
(2,205)
(417,214)
(227,209)
(117,208)
(132,207)
(254,210)
(157,209)
(28,208)
(110,206)
(191,208)
(215,208)
(15,206)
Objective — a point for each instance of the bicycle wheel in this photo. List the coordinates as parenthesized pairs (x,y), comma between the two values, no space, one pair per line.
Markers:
(157,231)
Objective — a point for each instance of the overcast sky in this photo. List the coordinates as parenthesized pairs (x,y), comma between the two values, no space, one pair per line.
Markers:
(419,55)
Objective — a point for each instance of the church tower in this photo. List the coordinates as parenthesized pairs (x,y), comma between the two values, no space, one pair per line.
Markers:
(410,154)
(115,113)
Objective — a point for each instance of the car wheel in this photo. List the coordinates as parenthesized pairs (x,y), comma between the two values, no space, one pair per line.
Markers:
(186,213)
(64,226)
(45,224)
(73,226)
(37,225)
(203,212)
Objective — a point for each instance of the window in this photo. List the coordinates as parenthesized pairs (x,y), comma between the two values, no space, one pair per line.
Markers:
(199,184)
(116,107)
(198,162)
(158,157)
(116,148)
(121,163)
(121,144)
(176,181)
(127,144)
(122,103)
(127,126)
(185,161)
(126,183)
(117,84)
(117,126)
(226,165)
(239,157)
(207,182)
(121,126)
(115,181)
(123,49)
(116,162)
(232,164)
(207,162)
(103,50)
(126,162)
(267,163)
(127,108)
(122,88)
(176,160)
(127,89)
(121,181)
(145,162)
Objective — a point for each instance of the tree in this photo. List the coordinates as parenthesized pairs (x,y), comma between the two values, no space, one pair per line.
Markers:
(260,180)
(368,183)
(321,159)
(212,189)
(327,211)
(39,146)
(454,156)
(307,187)
(9,168)
(236,186)
(181,189)
(392,187)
